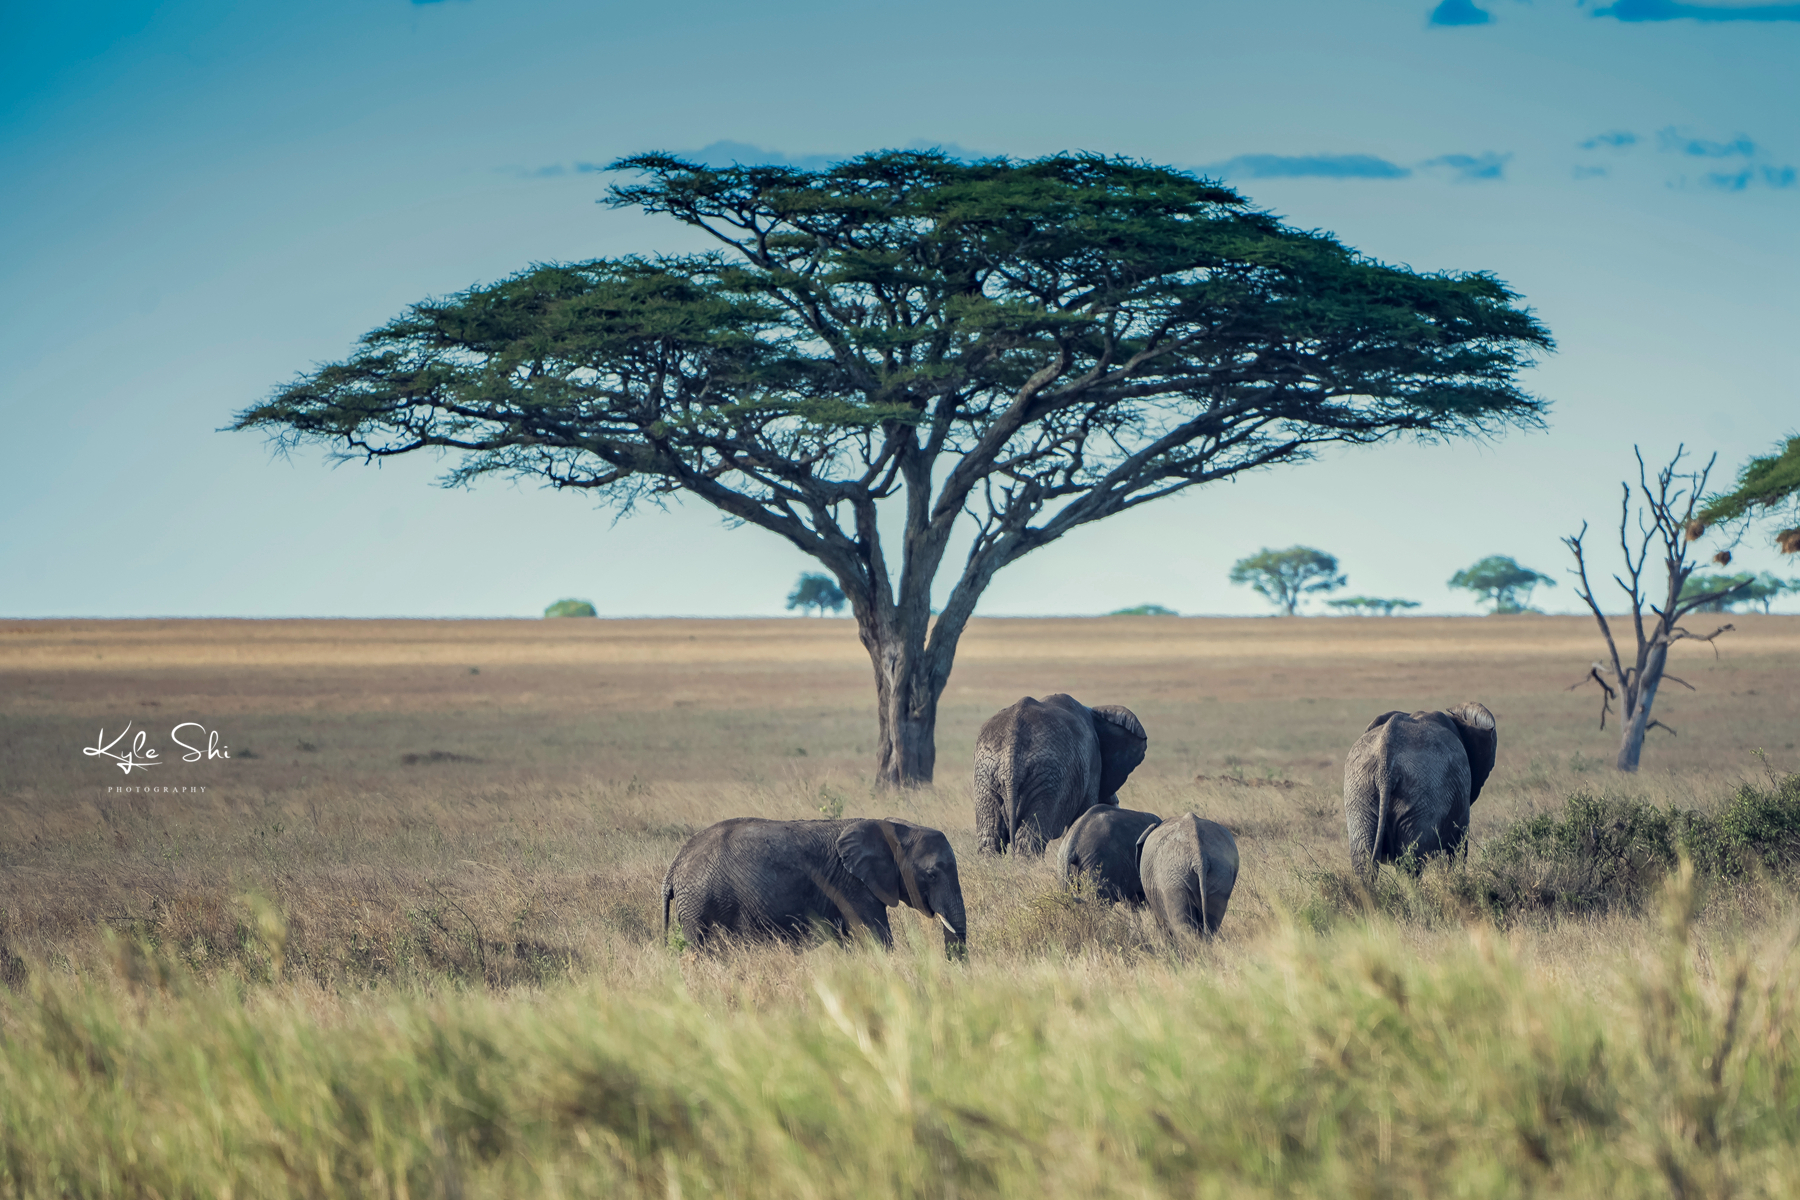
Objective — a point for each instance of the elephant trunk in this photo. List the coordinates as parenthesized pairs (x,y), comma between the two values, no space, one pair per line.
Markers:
(956,925)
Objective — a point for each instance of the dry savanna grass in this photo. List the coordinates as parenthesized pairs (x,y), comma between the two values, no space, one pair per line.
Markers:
(470,819)
(400,788)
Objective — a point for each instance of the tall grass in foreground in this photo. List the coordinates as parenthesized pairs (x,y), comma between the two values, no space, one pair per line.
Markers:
(1343,1066)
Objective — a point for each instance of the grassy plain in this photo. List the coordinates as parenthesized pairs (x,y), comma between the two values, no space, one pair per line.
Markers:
(407,940)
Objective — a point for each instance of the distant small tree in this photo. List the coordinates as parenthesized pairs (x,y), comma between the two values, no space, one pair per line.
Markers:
(1144,610)
(1282,576)
(1767,588)
(1665,519)
(1363,606)
(1742,588)
(1502,582)
(1766,487)
(1727,591)
(817,592)
(570,608)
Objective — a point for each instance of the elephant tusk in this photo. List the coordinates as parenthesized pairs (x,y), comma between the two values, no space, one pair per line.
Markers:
(945,921)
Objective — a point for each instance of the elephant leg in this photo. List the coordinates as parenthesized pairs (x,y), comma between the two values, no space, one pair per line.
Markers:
(990,823)
(1216,904)
(1029,837)
(1453,831)
(875,924)
(1360,821)
(1426,840)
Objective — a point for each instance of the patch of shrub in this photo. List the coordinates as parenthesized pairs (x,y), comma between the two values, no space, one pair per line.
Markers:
(1761,826)
(571,608)
(1072,919)
(1600,854)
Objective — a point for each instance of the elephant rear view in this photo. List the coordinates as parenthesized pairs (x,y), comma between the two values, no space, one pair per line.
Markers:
(783,880)
(1409,781)
(1188,866)
(1103,842)
(1041,764)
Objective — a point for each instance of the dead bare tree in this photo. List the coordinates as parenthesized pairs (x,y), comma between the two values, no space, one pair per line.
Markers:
(1665,522)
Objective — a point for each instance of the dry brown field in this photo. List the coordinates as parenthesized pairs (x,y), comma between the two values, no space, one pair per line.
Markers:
(498,799)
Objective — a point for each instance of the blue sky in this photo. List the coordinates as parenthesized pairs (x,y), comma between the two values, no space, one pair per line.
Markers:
(205,198)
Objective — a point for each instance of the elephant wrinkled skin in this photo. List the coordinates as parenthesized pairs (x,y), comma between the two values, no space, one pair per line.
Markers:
(1103,842)
(1409,781)
(779,880)
(1041,764)
(1188,867)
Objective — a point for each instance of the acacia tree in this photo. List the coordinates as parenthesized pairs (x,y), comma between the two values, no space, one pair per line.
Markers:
(1364,605)
(1499,580)
(1744,587)
(1009,349)
(1664,520)
(1282,577)
(817,592)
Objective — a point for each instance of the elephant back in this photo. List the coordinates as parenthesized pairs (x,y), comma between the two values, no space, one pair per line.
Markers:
(756,878)
(1425,751)
(1189,867)
(1103,842)
(1037,768)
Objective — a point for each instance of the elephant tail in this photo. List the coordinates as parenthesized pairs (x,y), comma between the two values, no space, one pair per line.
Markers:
(1383,806)
(1195,886)
(668,890)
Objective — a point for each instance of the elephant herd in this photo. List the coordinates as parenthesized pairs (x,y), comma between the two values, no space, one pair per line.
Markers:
(1052,769)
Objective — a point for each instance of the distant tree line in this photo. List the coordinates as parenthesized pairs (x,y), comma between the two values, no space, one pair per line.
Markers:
(1499,582)
(1286,577)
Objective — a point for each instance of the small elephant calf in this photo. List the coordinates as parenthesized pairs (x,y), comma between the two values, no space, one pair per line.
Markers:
(1103,842)
(1188,866)
(779,880)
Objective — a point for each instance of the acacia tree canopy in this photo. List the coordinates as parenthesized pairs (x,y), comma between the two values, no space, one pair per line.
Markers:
(817,592)
(1017,348)
(1282,577)
(1766,486)
(1499,580)
(1743,587)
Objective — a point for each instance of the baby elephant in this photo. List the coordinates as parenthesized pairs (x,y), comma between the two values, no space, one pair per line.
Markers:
(1103,842)
(778,880)
(1188,866)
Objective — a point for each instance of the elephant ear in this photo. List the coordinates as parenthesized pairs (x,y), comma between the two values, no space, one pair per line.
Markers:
(1384,718)
(870,850)
(1138,851)
(1475,726)
(1122,745)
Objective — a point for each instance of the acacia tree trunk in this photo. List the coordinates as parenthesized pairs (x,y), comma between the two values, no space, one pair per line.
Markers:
(911,670)
(906,711)
(1639,698)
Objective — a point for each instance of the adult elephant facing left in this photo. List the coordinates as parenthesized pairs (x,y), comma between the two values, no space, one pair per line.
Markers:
(1041,764)
(781,880)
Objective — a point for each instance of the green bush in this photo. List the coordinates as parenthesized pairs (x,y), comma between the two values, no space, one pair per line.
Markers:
(571,608)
